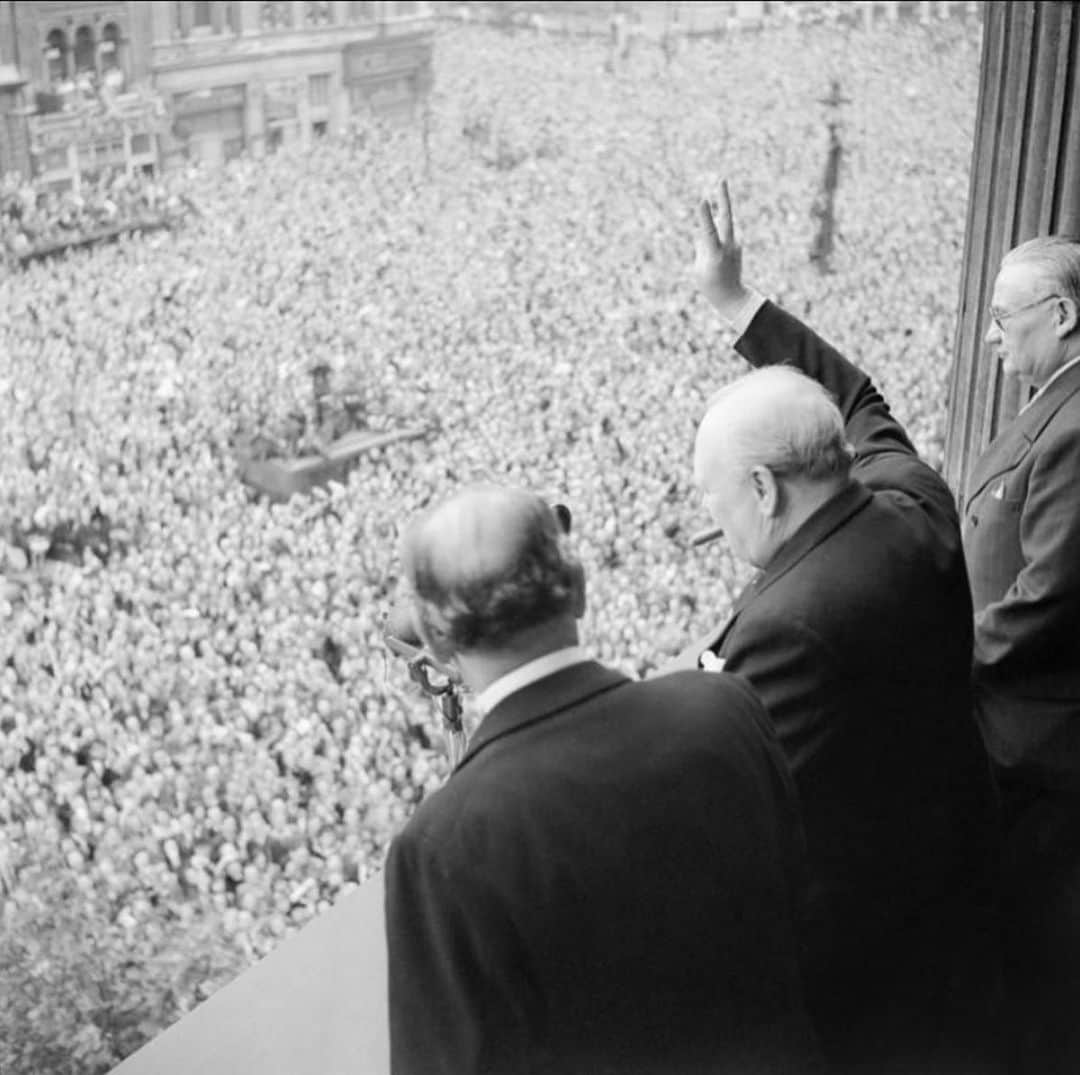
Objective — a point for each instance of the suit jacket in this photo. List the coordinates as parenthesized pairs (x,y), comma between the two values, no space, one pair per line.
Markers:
(858,638)
(1022,535)
(607,882)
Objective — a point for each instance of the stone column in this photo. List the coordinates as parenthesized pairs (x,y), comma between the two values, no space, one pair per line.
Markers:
(303,110)
(246,16)
(255,117)
(1025,181)
(73,168)
(8,32)
(339,101)
(161,23)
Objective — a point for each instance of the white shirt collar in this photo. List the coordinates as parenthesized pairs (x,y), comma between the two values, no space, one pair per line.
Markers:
(1052,378)
(528,673)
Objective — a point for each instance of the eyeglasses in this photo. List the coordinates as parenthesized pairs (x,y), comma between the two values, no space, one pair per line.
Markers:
(999,318)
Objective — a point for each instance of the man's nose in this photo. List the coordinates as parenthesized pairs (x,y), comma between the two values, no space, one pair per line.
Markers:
(993,333)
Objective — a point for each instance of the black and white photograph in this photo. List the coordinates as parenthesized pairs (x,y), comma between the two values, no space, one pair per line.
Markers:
(540,538)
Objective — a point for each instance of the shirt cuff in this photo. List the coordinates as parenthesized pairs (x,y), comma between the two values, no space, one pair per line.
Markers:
(740,320)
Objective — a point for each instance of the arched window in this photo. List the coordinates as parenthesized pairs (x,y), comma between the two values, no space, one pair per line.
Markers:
(318,13)
(275,16)
(110,47)
(84,50)
(56,56)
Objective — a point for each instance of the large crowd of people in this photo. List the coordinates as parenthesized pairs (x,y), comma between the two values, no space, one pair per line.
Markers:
(195,704)
(35,221)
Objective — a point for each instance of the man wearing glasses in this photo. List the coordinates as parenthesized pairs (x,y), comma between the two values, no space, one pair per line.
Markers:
(1021,526)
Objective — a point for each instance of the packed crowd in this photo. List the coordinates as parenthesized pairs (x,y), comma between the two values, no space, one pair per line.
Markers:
(33,219)
(197,708)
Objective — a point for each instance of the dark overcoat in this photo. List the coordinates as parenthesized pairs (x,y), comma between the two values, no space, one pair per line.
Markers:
(607,883)
(858,638)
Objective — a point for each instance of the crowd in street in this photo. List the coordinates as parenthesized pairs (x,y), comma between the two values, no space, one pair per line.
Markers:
(195,703)
(34,220)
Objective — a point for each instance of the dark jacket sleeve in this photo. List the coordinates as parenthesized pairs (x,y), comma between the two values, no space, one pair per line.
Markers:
(884,456)
(453,962)
(426,1008)
(776,337)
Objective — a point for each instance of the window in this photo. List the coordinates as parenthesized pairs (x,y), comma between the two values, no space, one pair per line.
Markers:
(53,160)
(319,91)
(200,13)
(406,7)
(275,16)
(84,50)
(140,144)
(361,10)
(318,13)
(110,47)
(106,155)
(56,56)
(319,128)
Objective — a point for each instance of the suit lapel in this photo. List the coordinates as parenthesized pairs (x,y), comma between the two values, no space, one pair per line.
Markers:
(827,519)
(809,536)
(1014,442)
(1001,456)
(542,699)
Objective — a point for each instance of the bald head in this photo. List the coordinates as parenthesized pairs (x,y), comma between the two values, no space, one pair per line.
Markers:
(775,417)
(770,451)
(488,565)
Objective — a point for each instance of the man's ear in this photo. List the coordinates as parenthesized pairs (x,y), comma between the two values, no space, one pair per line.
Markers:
(1068,317)
(767,491)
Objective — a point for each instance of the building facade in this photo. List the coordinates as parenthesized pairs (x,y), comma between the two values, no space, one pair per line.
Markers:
(95,85)
(249,77)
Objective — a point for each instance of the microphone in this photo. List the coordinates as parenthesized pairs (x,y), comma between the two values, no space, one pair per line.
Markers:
(403,640)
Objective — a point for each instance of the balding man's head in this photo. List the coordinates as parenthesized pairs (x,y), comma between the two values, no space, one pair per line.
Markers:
(777,417)
(770,448)
(488,565)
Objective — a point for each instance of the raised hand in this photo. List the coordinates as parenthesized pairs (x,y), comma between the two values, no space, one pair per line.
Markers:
(718,257)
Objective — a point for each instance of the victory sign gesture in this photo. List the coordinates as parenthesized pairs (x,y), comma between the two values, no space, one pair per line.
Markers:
(718,257)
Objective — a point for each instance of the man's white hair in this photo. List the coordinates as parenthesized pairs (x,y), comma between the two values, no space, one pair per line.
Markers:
(775,417)
(1056,261)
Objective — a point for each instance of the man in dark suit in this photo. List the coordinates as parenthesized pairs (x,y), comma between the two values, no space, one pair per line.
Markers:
(609,880)
(857,634)
(1022,536)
